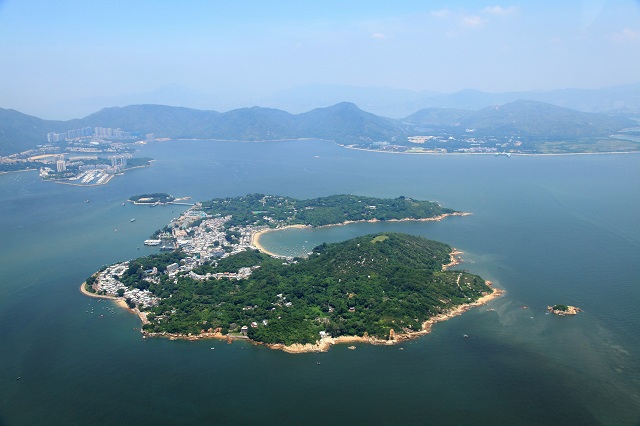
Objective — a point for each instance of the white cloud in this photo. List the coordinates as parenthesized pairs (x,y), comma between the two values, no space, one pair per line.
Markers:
(378,36)
(626,35)
(472,21)
(440,13)
(500,11)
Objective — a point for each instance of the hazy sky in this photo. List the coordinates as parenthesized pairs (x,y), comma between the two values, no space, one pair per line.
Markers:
(64,50)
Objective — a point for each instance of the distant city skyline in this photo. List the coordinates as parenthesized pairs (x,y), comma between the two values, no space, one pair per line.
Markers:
(59,54)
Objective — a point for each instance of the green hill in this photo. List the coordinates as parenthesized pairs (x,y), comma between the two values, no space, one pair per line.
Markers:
(330,210)
(164,121)
(20,132)
(344,123)
(370,284)
(526,119)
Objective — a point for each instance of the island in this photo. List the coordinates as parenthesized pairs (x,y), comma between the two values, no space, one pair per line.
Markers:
(563,310)
(381,288)
(152,199)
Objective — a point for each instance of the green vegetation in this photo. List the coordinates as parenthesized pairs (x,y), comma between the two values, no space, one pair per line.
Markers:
(156,197)
(138,162)
(370,284)
(245,259)
(134,276)
(25,165)
(532,123)
(560,308)
(260,209)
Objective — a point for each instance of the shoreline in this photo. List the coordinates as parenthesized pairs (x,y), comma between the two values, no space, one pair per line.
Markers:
(324,344)
(407,153)
(255,236)
(119,300)
(18,171)
(530,154)
(111,176)
(455,258)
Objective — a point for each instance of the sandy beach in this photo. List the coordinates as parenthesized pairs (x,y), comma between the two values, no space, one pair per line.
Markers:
(119,300)
(255,237)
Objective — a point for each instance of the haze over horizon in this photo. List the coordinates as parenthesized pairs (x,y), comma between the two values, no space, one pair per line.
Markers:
(60,54)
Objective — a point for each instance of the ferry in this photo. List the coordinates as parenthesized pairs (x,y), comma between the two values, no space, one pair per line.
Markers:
(152,242)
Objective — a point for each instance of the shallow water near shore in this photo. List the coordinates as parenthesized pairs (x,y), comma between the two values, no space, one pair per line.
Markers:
(546,229)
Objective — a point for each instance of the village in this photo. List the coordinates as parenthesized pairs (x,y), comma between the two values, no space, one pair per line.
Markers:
(202,238)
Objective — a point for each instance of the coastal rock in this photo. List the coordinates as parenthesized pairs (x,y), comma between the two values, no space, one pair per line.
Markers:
(563,310)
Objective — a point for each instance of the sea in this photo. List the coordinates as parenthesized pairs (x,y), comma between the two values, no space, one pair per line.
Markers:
(546,229)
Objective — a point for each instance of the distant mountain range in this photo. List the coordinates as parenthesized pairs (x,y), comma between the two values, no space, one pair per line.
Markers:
(526,119)
(343,122)
(396,103)
(383,101)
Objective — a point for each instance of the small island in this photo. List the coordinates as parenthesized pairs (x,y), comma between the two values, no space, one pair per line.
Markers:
(563,310)
(152,199)
(381,289)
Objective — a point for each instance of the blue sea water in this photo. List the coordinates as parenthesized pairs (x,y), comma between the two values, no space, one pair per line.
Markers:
(556,229)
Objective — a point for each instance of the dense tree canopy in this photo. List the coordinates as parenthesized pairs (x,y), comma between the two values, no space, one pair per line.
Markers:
(370,284)
(260,209)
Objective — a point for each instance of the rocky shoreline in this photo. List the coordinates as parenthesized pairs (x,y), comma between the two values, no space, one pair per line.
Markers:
(564,310)
(324,344)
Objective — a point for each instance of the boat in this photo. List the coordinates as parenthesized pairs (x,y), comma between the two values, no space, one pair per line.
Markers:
(133,220)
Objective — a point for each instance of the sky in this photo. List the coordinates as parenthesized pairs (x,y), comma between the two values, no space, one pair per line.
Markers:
(64,51)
